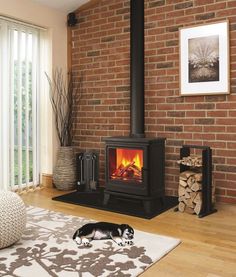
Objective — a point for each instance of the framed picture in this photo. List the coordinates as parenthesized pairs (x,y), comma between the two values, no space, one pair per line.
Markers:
(204,59)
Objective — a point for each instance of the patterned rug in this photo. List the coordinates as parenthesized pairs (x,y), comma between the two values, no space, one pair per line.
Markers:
(47,250)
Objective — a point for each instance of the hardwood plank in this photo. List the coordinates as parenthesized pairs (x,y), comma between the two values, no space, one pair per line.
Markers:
(208,245)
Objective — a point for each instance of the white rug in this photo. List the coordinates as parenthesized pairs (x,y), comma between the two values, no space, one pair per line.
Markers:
(47,250)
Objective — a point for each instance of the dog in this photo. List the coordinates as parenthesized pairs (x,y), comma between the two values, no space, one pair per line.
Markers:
(121,234)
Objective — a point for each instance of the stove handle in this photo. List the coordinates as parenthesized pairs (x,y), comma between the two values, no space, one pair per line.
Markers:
(144,173)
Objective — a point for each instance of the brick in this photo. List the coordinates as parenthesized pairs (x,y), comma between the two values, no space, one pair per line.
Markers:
(205,121)
(226,168)
(215,129)
(232,180)
(226,12)
(184,5)
(93,53)
(196,10)
(94,102)
(156,3)
(226,137)
(184,121)
(172,43)
(205,16)
(203,2)
(108,39)
(216,7)
(123,88)
(220,191)
(225,121)
(176,113)
(231,4)
(195,113)
(175,100)
(204,136)
(231,193)
(175,142)
(232,27)
(173,28)
(229,200)
(215,98)
(174,128)
(164,65)
(231,145)
(193,128)
(81,19)
(185,19)
(205,106)
(122,11)
(150,25)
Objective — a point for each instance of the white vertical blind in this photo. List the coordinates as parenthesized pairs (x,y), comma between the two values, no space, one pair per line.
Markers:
(35,63)
(18,42)
(4,112)
(27,108)
(11,108)
(19,64)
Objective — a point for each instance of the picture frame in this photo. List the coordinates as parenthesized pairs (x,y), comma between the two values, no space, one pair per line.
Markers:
(204,59)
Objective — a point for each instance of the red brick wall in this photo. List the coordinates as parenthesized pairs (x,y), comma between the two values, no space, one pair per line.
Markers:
(101,52)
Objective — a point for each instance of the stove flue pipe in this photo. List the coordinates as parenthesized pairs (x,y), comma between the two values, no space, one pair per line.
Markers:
(137,68)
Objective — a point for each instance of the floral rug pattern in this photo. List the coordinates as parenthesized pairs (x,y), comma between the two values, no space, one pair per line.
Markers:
(46,249)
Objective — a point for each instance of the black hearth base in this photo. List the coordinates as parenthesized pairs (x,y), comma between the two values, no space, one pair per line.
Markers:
(131,207)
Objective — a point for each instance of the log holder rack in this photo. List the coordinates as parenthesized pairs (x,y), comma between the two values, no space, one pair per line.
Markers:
(207,205)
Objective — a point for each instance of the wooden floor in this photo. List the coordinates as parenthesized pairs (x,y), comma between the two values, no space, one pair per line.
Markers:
(208,245)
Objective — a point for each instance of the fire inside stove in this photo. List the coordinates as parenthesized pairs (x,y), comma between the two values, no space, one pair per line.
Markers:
(126,164)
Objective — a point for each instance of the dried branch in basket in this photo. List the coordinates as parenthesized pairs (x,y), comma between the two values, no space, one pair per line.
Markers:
(63,97)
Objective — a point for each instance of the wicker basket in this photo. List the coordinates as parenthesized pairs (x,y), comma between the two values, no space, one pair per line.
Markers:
(64,173)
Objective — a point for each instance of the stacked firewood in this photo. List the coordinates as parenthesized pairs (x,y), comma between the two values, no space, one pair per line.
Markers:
(190,185)
(193,161)
(190,192)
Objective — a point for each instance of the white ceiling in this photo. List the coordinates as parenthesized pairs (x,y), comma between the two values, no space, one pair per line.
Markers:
(62,5)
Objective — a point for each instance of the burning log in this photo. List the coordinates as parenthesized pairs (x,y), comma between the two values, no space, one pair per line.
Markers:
(125,169)
(136,169)
(128,171)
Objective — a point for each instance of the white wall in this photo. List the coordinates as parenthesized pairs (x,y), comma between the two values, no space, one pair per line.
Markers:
(55,22)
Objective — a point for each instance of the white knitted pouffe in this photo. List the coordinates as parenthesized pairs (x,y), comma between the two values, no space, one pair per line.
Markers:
(12,218)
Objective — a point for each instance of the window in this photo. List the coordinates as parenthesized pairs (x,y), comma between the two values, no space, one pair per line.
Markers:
(19,112)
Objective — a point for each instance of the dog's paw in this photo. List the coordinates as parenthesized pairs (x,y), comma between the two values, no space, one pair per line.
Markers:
(87,244)
(121,243)
(129,242)
(78,241)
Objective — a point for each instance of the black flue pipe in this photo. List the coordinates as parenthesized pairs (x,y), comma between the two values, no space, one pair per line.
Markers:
(137,68)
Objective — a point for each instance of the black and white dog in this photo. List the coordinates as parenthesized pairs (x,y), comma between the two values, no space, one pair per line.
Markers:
(121,234)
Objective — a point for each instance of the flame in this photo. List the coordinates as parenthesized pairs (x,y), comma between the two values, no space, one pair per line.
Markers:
(126,156)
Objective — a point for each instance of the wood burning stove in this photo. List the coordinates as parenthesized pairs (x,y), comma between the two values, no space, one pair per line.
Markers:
(135,164)
(135,169)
